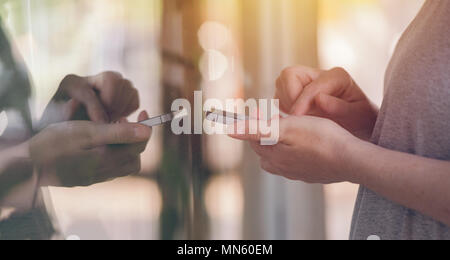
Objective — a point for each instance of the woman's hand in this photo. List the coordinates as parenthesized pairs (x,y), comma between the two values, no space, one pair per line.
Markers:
(310,149)
(103,98)
(329,94)
(81,153)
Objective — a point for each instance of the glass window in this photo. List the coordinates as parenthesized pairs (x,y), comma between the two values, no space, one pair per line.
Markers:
(196,186)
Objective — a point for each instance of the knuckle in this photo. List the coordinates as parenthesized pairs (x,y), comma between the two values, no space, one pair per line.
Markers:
(340,72)
(84,132)
(71,128)
(118,135)
(126,83)
(88,138)
(288,71)
(70,78)
(69,83)
(112,75)
(286,126)
(109,79)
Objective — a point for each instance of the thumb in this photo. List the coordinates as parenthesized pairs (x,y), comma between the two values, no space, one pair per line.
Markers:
(332,106)
(124,133)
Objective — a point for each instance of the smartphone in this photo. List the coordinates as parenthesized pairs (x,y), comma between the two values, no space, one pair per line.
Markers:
(217,116)
(224,117)
(162,119)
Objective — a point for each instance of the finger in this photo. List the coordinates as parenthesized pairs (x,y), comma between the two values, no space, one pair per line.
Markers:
(292,86)
(332,106)
(304,103)
(126,99)
(245,131)
(87,96)
(334,82)
(132,166)
(103,134)
(285,104)
(58,111)
(94,107)
(281,94)
(306,74)
(297,92)
(70,108)
(268,167)
(106,83)
(143,116)
(250,130)
(109,88)
(133,98)
(118,94)
(295,79)
(122,153)
(262,150)
(129,168)
(123,120)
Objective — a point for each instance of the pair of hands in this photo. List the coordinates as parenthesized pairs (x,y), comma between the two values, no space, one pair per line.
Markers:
(328,114)
(85,138)
(328,111)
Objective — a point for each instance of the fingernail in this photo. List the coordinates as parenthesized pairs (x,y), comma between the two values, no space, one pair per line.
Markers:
(142,132)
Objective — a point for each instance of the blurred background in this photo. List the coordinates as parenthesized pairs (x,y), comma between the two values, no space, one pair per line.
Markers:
(202,187)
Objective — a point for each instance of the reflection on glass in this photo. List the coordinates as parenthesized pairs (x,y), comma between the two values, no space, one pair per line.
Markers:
(189,187)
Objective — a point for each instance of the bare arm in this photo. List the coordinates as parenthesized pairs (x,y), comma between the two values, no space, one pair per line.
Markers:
(17,185)
(317,150)
(416,182)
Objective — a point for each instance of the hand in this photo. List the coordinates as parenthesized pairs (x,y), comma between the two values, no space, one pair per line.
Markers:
(329,94)
(81,153)
(310,149)
(104,98)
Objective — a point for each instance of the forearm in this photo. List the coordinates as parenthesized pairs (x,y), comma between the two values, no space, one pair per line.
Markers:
(17,182)
(415,182)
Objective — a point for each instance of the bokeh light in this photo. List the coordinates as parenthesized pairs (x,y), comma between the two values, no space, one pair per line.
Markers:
(214,36)
(213,65)
(3,122)
(224,198)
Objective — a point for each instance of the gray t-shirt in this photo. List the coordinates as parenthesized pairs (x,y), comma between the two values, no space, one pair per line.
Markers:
(415,119)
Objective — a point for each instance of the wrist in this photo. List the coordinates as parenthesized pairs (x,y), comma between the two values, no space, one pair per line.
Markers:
(349,160)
